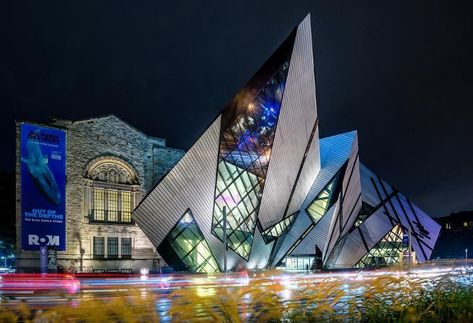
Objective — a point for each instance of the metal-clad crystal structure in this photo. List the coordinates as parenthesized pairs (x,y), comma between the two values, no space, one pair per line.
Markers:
(386,252)
(245,152)
(287,194)
(190,247)
(279,228)
(324,200)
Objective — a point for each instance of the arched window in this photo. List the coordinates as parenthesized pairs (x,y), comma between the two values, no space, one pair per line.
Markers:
(111,190)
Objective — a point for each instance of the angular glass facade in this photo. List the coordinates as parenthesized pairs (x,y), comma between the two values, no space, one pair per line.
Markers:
(386,252)
(245,150)
(324,200)
(365,211)
(189,245)
(279,228)
(258,159)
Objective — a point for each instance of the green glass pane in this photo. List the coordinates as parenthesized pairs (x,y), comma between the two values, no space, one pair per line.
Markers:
(246,182)
(190,246)
(245,150)
(279,228)
(386,252)
(323,201)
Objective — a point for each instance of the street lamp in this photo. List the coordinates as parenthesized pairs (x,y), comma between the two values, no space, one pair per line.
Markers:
(225,240)
(410,248)
(12,256)
(466,254)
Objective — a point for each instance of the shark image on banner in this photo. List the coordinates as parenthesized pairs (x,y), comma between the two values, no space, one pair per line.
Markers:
(38,168)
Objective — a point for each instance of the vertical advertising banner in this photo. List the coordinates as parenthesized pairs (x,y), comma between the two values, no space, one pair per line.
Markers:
(43,187)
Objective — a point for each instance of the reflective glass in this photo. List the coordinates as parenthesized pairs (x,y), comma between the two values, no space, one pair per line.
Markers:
(386,252)
(99,247)
(324,200)
(112,209)
(99,204)
(126,247)
(112,247)
(279,228)
(190,246)
(245,151)
(365,211)
(126,206)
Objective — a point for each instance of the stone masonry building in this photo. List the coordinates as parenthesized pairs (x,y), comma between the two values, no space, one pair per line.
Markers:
(110,167)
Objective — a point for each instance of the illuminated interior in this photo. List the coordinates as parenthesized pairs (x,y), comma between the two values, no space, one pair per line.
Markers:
(279,228)
(386,252)
(245,150)
(189,245)
(299,263)
(324,200)
(110,205)
(365,211)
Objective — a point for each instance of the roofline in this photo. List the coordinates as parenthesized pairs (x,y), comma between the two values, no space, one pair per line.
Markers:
(50,125)
(341,134)
(114,116)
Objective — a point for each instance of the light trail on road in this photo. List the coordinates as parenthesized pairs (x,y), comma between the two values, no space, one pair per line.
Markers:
(42,292)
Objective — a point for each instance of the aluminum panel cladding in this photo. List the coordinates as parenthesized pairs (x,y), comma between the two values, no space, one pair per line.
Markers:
(262,160)
(427,228)
(371,186)
(424,230)
(260,252)
(189,185)
(334,154)
(301,226)
(310,168)
(349,206)
(361,239)
(247,135)
(401,210)
(293,133)
(316,237)
(321,230)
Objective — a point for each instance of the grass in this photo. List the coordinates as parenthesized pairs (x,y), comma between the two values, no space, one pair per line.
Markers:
(389,298)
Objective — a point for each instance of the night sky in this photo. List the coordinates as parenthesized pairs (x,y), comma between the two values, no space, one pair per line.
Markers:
(399,72)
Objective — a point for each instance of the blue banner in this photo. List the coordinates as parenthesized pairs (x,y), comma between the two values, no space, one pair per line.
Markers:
(43,187)
(405,240)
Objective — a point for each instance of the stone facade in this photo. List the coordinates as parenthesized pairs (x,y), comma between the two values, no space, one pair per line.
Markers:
(97,148)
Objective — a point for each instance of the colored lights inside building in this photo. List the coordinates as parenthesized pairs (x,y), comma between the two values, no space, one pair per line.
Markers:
(189,245)
(386,252)
(245,151)
(324,200)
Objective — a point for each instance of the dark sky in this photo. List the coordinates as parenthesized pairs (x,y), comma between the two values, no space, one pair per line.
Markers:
(400,72)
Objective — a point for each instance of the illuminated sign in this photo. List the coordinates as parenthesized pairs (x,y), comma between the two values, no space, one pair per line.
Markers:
(43,183)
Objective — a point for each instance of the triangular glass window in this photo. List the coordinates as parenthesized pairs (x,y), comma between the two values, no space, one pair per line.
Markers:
(365,211)
(386,252)
(324,200)
(189,246)
(279,228)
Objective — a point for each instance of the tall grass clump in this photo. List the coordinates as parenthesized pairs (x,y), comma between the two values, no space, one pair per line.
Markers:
(131,306)
(391,297)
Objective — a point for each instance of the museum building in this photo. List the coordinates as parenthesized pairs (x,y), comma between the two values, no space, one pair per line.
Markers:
(108,167)
(259,188)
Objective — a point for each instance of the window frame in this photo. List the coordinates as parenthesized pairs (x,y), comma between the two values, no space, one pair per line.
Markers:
(95,255)
(117,246)
(122,190)
(122,254)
